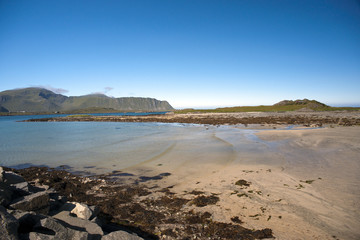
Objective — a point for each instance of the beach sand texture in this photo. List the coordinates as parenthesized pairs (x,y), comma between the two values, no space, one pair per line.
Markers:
(303,183)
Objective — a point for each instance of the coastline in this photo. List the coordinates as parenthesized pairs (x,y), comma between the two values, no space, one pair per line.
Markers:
(345,118)
(302,184)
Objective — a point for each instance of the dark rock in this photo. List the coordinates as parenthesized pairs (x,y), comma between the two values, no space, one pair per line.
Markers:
(11,178)
(23,186)
(95,211)
(6,194)
(61,232)
(98,221)
(56,202)
(27,220)
(8,225)
(37,202)
(22,189)
(121,235)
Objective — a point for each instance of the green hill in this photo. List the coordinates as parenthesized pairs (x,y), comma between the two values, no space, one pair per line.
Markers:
(305,103)
(283,106)
(41,100)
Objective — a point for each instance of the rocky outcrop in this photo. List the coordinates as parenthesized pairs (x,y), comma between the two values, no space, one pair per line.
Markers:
(39,213)
(130,210)
(37,202)
(8,225)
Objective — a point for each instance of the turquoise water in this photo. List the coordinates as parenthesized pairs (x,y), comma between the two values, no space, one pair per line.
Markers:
(82,144)
(100,147)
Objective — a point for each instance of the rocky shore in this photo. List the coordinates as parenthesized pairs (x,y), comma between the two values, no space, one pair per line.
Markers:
(344,118)
(44,203)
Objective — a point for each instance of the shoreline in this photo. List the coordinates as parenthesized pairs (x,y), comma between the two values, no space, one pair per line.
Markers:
(342,118)
(302,184)
(282,195)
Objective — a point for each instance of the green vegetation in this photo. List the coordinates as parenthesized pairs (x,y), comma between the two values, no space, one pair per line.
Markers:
(38,100)
(93,110)
(282,106)
(42,101)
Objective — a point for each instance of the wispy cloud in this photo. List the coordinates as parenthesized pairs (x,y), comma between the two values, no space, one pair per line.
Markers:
(104,92)
(53,89)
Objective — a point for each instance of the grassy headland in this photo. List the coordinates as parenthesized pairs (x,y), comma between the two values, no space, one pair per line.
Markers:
(283,106)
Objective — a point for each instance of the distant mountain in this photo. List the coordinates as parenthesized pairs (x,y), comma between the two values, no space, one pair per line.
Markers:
(43,100)
(305,103)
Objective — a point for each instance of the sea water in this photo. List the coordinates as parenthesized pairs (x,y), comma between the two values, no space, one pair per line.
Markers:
(82,144)
(100,147)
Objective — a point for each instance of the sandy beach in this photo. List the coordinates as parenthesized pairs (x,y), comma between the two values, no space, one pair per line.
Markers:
(301,181)
(303,184)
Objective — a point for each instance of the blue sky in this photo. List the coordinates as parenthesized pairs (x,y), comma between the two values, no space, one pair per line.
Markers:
(190,53)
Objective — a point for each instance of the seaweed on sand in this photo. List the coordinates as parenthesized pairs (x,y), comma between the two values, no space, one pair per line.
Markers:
(138,208)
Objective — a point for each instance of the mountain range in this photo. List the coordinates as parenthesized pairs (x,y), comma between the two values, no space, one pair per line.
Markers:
(36,100)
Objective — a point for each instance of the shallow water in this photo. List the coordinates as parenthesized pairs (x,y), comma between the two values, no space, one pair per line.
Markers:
(100,147)
(83,144)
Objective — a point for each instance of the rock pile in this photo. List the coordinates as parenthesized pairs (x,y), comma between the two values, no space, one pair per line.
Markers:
(39,212)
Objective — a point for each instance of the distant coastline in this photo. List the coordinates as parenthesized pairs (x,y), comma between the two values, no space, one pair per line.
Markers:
(308,119)
(98,111)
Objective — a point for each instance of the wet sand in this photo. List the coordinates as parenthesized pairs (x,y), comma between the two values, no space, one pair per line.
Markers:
(304,184)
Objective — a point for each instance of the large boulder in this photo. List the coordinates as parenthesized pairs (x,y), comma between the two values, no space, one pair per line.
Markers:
(10,177)
(90,227)
(81,210)
(121,235)
(37,202)
(8,225)
(27,220)
(61,232)
(23,188)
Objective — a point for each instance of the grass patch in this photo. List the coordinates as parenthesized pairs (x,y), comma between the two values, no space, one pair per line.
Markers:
(263,108)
